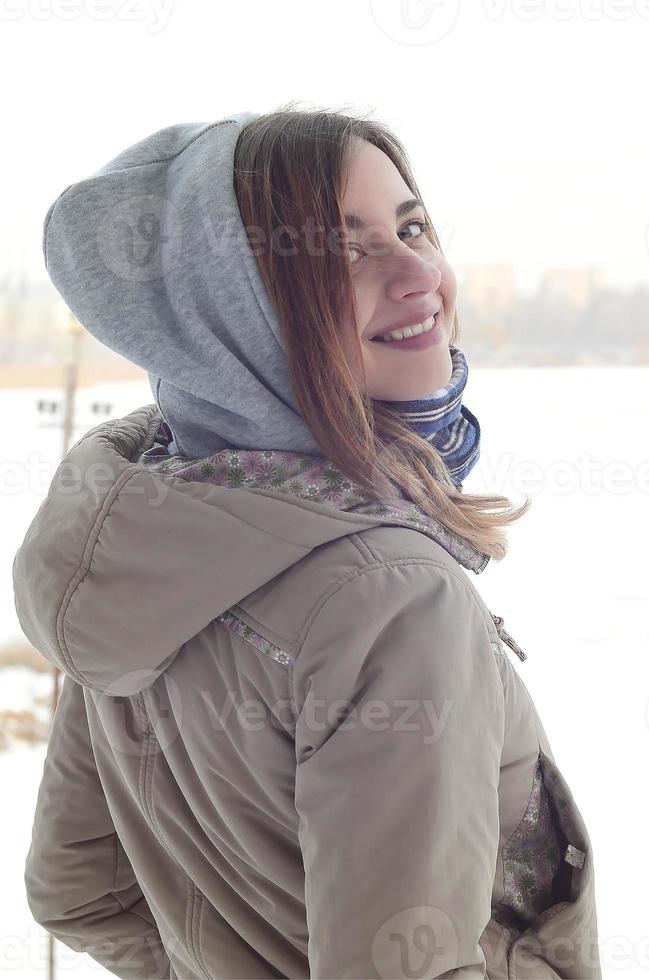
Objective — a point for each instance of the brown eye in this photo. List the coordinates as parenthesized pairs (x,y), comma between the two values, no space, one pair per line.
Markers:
(423,225)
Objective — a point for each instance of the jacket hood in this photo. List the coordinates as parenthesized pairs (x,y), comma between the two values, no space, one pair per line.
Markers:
(151,255)
(118,543)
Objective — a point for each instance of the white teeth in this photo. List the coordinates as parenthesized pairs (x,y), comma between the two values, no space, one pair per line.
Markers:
(413,331)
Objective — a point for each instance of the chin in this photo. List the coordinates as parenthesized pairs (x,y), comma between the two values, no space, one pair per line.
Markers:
(412,389)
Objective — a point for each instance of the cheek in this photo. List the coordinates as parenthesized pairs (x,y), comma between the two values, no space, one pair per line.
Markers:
(364,313)
(365,308)
(448,285)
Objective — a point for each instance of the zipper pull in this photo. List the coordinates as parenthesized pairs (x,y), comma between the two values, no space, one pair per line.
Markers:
(506,638)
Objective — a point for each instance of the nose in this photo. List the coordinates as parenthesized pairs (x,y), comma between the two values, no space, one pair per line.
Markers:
(411,273)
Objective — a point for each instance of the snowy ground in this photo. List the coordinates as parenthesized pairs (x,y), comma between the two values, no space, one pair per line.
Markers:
(573,590)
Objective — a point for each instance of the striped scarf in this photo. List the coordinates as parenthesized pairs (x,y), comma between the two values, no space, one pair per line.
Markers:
(445,422)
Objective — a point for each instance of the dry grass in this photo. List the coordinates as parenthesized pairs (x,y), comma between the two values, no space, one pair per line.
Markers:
(19,654)
(52,375)
(21,726)
(25,725)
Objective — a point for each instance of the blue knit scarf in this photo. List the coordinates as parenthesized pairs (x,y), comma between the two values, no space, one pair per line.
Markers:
(445,422)
(441,419)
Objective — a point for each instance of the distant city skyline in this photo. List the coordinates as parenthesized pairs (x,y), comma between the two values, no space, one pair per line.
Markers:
(572,316)
(504,276)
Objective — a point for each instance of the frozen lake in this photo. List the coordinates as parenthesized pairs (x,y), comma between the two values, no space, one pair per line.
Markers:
(573,591)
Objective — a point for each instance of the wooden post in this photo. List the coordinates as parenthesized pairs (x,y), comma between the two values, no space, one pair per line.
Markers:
(70,380)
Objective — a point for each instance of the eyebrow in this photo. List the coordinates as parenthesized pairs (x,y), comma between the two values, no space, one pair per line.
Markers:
(353,221)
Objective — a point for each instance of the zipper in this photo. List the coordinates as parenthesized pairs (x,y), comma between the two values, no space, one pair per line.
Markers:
(506,638)
(485,559)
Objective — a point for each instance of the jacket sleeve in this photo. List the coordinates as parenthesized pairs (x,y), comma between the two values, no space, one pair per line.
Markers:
(398,739)
(79,882)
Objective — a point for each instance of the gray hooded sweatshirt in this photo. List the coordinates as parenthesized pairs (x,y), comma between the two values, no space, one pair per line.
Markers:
(151,255)
(291,741)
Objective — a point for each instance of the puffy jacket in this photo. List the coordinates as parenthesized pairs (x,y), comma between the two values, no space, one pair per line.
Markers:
(291,739)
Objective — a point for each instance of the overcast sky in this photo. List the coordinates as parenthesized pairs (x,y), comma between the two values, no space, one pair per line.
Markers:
(526,121)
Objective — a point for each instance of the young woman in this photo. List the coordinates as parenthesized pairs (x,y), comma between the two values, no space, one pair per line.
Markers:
(291,739)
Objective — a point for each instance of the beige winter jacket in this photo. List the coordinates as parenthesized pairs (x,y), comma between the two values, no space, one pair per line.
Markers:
(290,741)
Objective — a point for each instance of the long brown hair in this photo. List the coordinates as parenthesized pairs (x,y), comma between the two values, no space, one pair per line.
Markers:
(290,169)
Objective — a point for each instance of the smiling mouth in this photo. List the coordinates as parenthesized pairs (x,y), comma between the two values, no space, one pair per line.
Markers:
(403,334)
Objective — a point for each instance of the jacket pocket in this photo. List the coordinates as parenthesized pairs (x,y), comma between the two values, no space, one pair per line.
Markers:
(561,939)
(226,949)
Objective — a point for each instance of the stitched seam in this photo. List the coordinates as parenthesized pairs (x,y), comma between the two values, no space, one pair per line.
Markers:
(152,752)
(314,507)
(533,709)
(148,163)
(364,548)
(149,755)
(157,938)
(291,695)
(369,556)
(354,573)
(152,427)
(398,562)
(86,562)
(141,773)
(288,667)
(49,218)
(271,534)
(83,570)
(133,166)
(196,927)
(114,889)
(189,900)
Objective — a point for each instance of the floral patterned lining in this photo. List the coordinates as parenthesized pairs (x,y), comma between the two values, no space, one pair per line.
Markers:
(537,855)
(256,639)
(306,476)
(532,856)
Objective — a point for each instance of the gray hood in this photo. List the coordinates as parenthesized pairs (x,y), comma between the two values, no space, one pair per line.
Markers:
(151,255)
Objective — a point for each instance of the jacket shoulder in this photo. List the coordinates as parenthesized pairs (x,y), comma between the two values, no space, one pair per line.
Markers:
(282,609)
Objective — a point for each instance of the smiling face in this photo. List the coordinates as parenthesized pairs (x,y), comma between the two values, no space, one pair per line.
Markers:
(398,277)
